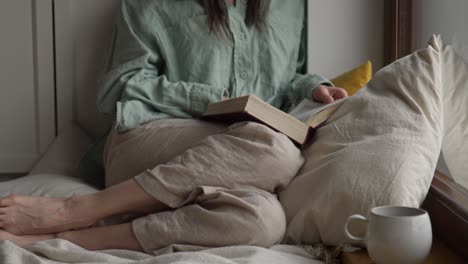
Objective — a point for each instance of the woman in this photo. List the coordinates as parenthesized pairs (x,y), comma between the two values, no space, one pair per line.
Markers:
(170,59)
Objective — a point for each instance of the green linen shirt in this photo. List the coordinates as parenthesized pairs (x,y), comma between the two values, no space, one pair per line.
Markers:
(165,62)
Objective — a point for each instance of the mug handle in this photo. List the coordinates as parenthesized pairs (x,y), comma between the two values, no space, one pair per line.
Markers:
(350,219)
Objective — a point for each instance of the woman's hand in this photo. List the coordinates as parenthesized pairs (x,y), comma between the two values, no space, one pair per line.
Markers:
(326,94)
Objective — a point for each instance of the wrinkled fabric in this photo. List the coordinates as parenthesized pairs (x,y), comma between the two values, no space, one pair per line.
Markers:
(380,148)
(217,217)
(155,143)
(162,66)
(455,80)
(219,181)
(63,252)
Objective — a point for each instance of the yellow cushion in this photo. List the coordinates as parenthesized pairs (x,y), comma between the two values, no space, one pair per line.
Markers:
(354,79)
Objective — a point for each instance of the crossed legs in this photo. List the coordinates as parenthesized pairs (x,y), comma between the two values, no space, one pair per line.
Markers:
(245,157)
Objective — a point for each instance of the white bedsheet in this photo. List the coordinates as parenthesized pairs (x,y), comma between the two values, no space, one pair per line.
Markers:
(61,251)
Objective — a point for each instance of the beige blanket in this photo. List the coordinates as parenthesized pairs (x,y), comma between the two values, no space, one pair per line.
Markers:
(61,251)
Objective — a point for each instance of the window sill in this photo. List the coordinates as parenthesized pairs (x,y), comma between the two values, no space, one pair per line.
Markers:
(447,204)
(439,254)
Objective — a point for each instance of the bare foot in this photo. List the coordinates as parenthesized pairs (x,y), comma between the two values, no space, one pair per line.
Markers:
(23,241)
(27,215)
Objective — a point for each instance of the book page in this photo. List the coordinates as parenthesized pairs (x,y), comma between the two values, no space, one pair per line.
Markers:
(308,108)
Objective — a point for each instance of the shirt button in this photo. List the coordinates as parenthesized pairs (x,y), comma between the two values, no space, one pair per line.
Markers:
(242,36)
(243,75)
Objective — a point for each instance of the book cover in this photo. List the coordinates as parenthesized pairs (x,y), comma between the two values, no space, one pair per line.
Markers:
(299,125)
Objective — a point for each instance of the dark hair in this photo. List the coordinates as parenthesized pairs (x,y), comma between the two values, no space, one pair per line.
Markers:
(218,19)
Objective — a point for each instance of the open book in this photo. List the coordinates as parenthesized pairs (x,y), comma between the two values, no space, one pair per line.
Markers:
(299,125)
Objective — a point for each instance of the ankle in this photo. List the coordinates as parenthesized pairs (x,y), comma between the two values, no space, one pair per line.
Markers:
(81,210)
(72,206)
(61,235)
(66,235)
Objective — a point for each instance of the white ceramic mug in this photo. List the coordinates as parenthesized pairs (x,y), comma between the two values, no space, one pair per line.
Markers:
(395,234)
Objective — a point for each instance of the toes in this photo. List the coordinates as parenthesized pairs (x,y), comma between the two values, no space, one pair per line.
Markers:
(7,201)
(2,223)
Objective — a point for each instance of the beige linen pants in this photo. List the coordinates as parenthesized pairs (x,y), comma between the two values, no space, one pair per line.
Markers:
(220,182)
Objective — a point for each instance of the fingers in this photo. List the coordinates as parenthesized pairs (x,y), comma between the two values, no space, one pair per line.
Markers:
(326,94)
(338,93)
(327,98)
(322,94)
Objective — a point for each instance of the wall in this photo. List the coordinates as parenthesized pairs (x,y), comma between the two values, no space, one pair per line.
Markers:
(343,34)
(447,18)
(27,117)
(83,31)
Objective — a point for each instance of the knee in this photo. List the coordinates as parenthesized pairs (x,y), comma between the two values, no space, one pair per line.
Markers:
(260,134)
(265,224)
(275,154)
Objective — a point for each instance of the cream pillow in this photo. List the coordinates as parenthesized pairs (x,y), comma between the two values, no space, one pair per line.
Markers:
(380,148)
(455,144)
(46,184)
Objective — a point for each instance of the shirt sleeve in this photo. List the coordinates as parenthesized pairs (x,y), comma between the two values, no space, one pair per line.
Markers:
(303,83)
(134,81)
